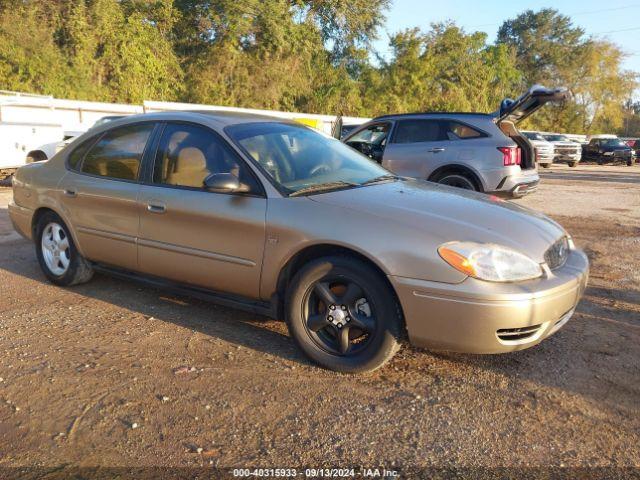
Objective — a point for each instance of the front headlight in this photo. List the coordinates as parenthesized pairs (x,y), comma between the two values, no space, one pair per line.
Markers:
(490,262)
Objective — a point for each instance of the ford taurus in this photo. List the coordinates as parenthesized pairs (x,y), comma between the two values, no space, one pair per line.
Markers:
(274,217)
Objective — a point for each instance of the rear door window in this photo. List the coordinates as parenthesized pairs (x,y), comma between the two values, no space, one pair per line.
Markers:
(420,130)
(118,153)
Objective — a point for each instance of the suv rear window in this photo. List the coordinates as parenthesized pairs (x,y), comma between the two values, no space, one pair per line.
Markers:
(118,153)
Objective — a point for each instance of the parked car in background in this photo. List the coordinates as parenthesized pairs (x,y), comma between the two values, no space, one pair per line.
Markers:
(565,149)
(217,205)
(22,143)
(543,149)
(635,146)
(71,136)
(604,150)
(474,151)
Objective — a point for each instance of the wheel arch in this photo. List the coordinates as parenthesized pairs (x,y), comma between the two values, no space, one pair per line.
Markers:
(40,211)
(457,168)
(37,155)
(314,252)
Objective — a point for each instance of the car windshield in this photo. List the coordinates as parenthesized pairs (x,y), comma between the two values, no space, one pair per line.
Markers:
(302,160)
(533,136)
(557,138)
(615,142)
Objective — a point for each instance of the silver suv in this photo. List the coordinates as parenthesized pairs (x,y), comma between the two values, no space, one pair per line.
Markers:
(475,151)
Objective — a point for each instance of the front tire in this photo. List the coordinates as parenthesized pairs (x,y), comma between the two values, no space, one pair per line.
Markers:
(546,165)
(57,254)
(343,315)
(572,164)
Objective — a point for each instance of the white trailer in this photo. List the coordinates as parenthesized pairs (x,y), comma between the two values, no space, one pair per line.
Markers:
(22,143)
(32,127)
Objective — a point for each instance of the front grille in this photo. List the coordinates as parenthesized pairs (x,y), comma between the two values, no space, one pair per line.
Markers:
(567,150)
(557,253)
(517,334)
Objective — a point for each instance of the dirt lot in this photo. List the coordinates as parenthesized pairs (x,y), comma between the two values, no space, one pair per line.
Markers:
(115,374)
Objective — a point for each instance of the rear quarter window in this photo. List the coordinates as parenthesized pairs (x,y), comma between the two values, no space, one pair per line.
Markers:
(75,157)
(461,131)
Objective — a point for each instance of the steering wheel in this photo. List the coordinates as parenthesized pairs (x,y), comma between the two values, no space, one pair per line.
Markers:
(319,170)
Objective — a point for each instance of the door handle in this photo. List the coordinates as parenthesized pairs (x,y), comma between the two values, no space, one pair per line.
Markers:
(70,192)
(436,150)
(155,208)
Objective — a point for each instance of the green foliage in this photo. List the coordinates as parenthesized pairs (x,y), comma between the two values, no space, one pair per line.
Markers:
(306,55)
(551,51)
(444,69)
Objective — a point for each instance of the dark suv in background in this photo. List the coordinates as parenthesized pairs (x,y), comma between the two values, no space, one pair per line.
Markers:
(604,150)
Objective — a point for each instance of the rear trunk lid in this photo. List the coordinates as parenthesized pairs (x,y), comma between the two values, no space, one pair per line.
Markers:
(512,112)
(536,97)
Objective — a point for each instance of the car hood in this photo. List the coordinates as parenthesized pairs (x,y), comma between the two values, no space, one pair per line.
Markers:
(612,148)
(446,214)
(540,143)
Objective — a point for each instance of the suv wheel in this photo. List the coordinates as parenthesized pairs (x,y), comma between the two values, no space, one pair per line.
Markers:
(57,254)
(343,315)
(459,180)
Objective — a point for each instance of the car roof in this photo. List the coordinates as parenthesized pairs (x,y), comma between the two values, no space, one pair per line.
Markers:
(436,113)
(221,118)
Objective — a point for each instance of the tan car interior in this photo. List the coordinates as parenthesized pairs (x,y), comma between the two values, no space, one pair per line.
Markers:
(187,163)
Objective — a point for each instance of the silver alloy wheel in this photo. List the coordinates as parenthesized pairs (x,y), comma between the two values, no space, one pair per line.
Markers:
(55,249)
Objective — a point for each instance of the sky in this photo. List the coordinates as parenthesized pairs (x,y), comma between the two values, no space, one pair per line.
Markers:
(615,20)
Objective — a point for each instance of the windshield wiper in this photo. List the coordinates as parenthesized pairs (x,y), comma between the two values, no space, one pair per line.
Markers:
(382,178)
(321,187)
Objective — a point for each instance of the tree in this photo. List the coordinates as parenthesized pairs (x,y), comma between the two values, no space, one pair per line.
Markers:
(544,42)
(443,69)
(551,51)
(30,60)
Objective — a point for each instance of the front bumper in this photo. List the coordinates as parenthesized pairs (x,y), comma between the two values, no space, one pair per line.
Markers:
(568,157)
(483,317)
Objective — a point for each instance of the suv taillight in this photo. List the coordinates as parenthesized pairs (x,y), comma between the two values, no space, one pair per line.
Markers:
(511,155)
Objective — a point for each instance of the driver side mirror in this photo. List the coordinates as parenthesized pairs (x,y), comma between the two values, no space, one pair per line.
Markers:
(224,183)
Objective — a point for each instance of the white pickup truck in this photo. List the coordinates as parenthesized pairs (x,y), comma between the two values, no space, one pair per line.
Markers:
(545,152)
(566,150)
(22,143)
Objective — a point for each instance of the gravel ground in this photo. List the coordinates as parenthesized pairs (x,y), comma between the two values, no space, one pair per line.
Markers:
(117,375)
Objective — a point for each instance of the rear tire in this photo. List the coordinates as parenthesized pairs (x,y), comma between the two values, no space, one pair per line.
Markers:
(546,165)
(573,164)
(343,315)
(57,254)
(458,180)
